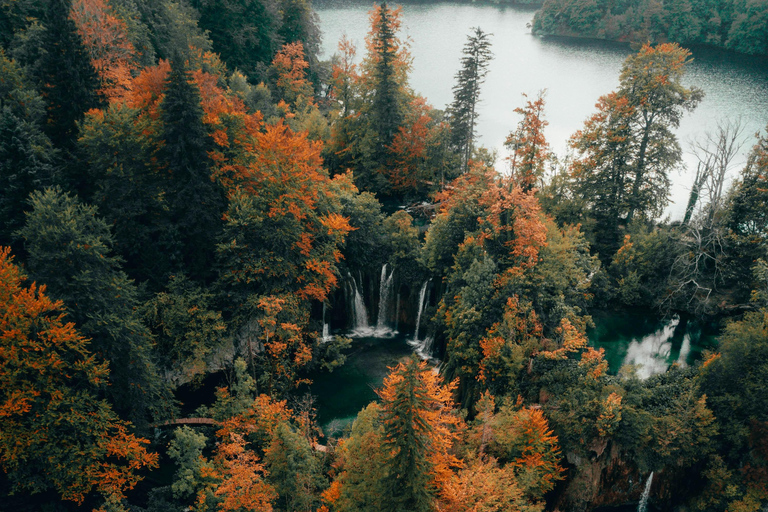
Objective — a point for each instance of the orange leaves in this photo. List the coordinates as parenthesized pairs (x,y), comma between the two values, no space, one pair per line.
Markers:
(415,403)
(408,148)
(242,486)
(514,220)
(594,362)
(570,340)
(610,415)
(106,38)
(53,425)
(291,67)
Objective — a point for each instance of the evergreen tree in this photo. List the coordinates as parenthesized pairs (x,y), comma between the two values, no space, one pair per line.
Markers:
(69,250)
(244,32)
(68,80)
(26,154)
(386,109)
(195,201)
(417,435)
(462,113)
(293,470)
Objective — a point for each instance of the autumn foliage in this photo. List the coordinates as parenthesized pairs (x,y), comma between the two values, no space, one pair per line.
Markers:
(56,433)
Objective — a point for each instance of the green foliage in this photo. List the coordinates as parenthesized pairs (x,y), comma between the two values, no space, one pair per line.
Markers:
(186,450)
(70,251)
(120,147)
(406,437)
(462,113)
(68,80)
(195,202)
(294,470)
(187,332)
(734,24)
(57,434)
(734,381)
(362,462)
(244,32)
(26,154)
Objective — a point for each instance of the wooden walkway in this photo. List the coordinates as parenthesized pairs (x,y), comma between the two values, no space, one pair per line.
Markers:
(186,421)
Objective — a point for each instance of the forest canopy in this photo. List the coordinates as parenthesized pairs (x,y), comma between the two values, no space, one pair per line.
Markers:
(190,198)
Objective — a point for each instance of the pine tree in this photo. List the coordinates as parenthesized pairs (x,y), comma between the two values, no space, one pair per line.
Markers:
(195,201)
(26,154)
(69,81)
(462,112)
(70,251)
(417,436)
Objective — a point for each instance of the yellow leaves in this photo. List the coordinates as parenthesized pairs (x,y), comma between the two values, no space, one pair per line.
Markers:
(336,224)
(610,415)
(594,362)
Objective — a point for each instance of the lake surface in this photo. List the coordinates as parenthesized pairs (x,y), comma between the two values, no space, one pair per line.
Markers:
(575,73)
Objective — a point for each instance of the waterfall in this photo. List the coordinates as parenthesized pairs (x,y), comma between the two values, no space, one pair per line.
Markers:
(423,348)
(359,313)
(326,328)
(422,296)
(643,505)
(385,302)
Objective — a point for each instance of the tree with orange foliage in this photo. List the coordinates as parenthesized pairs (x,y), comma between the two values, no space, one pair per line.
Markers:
(105,36)
(418,432)
(239,480)
(57,435)
(290,65)
(529,149)
(280,247)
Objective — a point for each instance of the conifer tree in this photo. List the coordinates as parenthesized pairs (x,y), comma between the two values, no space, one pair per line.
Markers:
(417,435)
(70,251)
(26,154)
(386,108)
(195,202)
(68,79)
(462,112)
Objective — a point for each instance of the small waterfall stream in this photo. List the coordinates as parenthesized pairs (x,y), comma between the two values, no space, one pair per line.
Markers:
(643,505)
(359,313)
(326,327)
(423,347)
(386,286)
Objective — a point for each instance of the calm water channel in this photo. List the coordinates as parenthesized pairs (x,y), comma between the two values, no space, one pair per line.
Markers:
(629,338)
(574,73)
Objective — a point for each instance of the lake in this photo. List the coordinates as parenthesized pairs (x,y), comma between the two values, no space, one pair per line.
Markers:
(574,72)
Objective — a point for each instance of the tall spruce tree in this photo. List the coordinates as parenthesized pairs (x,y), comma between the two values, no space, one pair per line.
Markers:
(68,80)
(386,109)
(418,433)
(462,113)
(26,154)
(70,251)
(195,201)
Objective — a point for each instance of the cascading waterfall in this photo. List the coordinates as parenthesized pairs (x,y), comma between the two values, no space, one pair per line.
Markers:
(423,347)
(643,505)
(385,302)
(326,328)
(422,297)
(359,313)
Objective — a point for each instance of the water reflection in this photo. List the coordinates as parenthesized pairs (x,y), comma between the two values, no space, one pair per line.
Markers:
(575,73)
(648,344)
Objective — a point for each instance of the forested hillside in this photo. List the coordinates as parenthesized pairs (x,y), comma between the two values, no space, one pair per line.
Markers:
(737,25)
(189,194)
